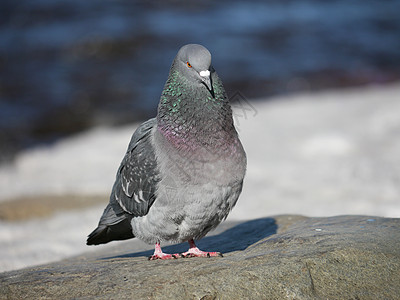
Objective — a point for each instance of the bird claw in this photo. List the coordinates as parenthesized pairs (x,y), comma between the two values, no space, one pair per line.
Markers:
(187,255)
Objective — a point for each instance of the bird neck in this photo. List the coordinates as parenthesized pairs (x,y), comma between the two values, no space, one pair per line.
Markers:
(189,115)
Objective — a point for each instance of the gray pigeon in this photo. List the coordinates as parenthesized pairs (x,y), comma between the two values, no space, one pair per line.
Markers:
(183,170)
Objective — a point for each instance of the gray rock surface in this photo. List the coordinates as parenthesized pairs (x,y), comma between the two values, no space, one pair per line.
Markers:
(283,257)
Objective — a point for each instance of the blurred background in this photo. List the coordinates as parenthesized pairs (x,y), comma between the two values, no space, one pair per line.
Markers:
(68,65)
(314,84)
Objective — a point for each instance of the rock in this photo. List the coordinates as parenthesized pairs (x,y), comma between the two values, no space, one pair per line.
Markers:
(293,257)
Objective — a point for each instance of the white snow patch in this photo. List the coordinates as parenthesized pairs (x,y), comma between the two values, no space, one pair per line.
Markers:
(42,241)
(328,144)
(82,164)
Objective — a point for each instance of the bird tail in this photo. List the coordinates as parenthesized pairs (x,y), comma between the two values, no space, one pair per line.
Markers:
(111,227)
(107,233)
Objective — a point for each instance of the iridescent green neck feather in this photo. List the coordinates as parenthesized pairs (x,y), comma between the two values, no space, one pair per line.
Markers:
(189,114)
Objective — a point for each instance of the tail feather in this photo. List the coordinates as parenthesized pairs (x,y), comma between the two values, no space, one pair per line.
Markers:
(107,233)
(114,224)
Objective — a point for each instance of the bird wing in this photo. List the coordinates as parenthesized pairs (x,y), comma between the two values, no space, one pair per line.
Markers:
(137,177)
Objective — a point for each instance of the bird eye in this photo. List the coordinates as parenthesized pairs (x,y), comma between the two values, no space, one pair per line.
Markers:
(188,64)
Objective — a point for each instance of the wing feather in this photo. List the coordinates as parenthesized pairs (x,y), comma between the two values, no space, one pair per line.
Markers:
(137,177)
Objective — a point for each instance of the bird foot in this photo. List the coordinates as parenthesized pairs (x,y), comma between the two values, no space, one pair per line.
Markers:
(163,256)
(158,254)
(196,252)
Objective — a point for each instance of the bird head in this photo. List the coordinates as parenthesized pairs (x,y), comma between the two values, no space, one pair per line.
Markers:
(194,62)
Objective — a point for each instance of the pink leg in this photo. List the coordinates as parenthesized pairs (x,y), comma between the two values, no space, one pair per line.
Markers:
(158,254)
(196,252)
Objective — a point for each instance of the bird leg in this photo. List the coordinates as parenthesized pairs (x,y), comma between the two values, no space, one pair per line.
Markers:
(196,252)
(158,254)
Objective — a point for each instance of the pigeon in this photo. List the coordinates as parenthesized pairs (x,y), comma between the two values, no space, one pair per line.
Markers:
(183,170)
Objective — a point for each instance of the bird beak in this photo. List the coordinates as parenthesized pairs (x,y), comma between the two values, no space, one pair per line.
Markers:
(206,79)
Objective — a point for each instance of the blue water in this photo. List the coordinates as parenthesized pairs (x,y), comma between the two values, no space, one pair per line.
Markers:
(66,65)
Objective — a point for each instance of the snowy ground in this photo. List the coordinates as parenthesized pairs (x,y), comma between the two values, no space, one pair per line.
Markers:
(320,154)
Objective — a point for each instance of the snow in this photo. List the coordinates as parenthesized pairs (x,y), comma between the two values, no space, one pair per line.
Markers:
(82,164)
(319,154)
